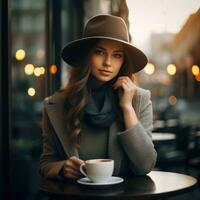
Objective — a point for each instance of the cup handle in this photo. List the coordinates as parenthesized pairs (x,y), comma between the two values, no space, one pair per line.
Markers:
(82,170)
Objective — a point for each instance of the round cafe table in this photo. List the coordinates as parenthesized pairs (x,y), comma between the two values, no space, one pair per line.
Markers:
(157,184)
(159,137)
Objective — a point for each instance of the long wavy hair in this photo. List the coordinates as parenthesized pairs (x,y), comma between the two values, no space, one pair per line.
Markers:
(77,92)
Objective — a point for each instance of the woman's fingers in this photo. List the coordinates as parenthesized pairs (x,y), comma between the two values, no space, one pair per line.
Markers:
(69,172)
(127,90)
(76,161)
(123,80)
(69,164)
(71,167)
(118,84)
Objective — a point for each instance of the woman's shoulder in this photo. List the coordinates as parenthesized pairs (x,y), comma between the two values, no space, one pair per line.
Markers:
(142,98)
(57,97)
(143,92)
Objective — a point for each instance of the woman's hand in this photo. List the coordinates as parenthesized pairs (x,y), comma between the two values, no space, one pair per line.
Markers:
(126,92)
(71,168)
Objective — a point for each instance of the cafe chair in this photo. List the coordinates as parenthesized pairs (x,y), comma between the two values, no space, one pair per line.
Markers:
(171,125)
(193,161)
(175,155)
(159,126)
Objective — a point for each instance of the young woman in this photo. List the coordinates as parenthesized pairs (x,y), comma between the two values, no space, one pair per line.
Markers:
(101,113)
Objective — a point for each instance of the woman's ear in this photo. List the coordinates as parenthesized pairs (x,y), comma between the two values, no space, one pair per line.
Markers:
(132,77)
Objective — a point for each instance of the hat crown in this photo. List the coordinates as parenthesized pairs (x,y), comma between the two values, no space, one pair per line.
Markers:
(107,26)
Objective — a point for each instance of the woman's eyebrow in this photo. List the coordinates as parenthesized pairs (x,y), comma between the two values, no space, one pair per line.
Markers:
(119,50)
(99,47)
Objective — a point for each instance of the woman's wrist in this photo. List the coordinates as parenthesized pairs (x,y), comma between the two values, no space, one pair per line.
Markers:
(130,118)
(126,107)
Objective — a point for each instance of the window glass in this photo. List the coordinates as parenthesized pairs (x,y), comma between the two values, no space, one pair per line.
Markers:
(28,75)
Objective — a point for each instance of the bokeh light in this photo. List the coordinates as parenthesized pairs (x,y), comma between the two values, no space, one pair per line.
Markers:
(172,100)
(37,71)
(29,69)
(53,69)
(20,54)
(31,91)
(149,69)
(197,77)
(171,69)
(195,70)
(40,54)
(42,70)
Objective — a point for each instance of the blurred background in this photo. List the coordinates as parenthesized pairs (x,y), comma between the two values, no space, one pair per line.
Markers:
(32,35)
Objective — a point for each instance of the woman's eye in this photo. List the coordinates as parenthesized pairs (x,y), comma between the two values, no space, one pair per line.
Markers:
(99,52)
(118,55)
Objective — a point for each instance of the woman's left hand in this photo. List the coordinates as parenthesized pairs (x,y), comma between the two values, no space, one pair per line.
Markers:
(127,90)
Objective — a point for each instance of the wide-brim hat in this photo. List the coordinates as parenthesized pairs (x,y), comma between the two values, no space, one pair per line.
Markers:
(104,27)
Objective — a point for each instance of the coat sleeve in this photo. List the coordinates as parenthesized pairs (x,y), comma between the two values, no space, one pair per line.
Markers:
(51,162)
(137,142)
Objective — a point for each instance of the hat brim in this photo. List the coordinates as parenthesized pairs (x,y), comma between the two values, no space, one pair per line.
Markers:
(74,51)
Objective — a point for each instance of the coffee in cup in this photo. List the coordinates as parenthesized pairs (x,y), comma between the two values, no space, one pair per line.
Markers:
(98,170)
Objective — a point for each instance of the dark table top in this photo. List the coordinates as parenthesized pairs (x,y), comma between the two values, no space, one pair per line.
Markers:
(155,185)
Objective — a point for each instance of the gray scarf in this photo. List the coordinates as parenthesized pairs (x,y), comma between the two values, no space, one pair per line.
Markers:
(100,110)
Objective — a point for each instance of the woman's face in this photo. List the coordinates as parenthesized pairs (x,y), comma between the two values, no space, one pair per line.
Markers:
(106,60)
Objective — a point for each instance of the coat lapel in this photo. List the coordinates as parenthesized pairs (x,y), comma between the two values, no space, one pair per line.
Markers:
(55,110)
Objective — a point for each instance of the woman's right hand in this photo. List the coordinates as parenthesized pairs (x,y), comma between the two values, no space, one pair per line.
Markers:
(71,168)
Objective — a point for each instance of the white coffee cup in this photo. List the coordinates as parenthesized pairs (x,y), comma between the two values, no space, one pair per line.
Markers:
(98,170)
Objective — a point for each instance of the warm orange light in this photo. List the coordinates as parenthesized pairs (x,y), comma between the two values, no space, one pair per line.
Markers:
(195,70)
(172,100)
(197,77)
(53,69)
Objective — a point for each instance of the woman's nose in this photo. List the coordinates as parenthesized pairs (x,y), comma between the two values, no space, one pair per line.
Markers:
(107,60)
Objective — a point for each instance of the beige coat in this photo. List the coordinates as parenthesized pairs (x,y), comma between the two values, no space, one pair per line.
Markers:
(131,149)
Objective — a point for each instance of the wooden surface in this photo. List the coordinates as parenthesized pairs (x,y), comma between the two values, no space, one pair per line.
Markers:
(155,185)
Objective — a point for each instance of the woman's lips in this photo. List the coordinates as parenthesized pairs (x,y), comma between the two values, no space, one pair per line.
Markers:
(105,72)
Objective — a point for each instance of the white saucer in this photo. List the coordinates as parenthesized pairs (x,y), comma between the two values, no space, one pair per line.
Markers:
(112,181)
